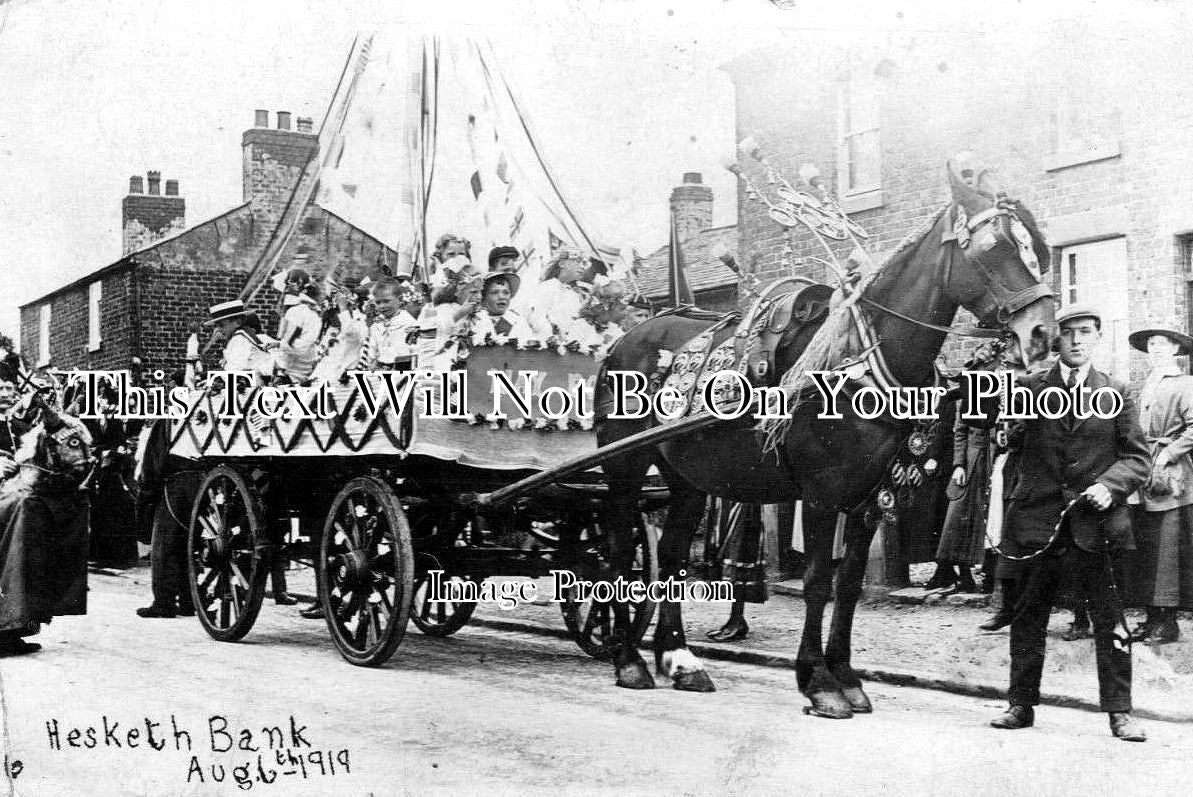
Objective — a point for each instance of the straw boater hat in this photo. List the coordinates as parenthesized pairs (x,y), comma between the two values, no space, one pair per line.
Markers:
(514,280)
(225,310)
(1138,339)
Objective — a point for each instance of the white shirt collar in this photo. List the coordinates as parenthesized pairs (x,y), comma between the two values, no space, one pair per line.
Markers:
(1082,373)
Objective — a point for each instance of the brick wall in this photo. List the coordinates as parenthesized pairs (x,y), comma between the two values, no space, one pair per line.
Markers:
(161,294)
(149,218)
(69,325)
(1006,98)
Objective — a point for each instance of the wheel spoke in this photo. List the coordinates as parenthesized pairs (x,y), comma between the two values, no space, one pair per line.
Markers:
(389,606)
(239,576)
(206,582)
(361,636)
(591,619)
(376,618)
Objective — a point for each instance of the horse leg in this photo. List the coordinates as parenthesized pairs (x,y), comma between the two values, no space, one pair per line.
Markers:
(849,590)
(625,477)
(812,674)
(673,658)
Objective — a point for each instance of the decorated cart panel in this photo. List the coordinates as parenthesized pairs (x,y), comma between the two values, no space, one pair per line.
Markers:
(508,409)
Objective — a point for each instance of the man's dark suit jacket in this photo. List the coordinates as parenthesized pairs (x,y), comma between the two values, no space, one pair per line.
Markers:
(1060,458)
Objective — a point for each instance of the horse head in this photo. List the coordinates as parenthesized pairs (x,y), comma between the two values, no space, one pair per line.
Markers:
(56,451)
(1004,258)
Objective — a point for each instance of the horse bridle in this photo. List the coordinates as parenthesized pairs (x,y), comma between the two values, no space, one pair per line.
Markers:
(62,437)
(1000,303)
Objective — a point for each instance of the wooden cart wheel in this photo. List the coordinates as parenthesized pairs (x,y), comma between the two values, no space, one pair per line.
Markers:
(366,569)
(226,567)
(591,622)
(443,617)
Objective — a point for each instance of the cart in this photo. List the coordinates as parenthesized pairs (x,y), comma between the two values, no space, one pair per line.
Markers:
(388,497)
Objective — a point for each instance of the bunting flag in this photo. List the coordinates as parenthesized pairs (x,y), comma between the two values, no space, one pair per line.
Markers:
(505,199)
(678,292)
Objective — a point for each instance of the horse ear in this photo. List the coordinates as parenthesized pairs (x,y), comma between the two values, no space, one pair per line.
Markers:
(973,201)
(989,185)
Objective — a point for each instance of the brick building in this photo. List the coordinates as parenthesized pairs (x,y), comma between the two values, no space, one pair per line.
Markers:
(1081,123)
(705,249)
(150,300)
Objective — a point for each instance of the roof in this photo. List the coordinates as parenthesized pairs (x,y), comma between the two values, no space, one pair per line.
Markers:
(703,269)
(129,259)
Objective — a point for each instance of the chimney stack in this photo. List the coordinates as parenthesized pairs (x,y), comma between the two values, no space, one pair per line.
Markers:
(691,206)
(149,217)
(274,160)
(260,118)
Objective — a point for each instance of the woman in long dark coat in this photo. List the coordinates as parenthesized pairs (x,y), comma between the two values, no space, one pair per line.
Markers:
(962,540)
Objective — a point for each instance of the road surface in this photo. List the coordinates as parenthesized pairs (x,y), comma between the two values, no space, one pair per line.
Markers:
(498,712)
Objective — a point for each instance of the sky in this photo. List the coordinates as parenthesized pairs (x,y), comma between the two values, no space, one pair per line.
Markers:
(624,96)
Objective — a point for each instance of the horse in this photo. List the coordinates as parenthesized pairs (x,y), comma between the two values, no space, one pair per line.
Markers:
(43,525)
(979,252)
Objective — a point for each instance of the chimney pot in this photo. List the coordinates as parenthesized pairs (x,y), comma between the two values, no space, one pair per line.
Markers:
(260,118)
(171,188)
(693,178)
(155,183)
(305,124)
(283,120)
(136,184)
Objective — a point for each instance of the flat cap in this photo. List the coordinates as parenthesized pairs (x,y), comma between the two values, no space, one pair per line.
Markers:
(1078,311)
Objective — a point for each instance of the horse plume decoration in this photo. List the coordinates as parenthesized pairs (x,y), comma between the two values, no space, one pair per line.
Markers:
(885,327)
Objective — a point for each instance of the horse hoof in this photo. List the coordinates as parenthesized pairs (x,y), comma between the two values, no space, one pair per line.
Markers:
(634,676)
(859,703)
(695,681)
(830,705)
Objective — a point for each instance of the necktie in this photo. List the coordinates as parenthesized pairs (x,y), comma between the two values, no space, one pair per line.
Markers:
(502,327)
(1071,385)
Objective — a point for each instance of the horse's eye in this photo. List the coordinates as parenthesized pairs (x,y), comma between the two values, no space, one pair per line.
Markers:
(73,442)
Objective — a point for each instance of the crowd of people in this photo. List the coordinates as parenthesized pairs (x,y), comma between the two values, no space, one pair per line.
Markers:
(329,328)
(1098,510)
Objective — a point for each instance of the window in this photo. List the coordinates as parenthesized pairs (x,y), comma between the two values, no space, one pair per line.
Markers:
(94,293)
(43,335)
(859,155)
(1096,273)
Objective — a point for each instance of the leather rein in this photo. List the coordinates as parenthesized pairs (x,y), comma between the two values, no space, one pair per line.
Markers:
(1005,306)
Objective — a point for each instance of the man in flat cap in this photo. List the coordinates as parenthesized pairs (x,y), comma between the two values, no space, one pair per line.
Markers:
(504,259)
(1161,570)
(1066,510)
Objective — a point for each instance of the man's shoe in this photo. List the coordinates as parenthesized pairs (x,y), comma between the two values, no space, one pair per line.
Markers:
(1077,631)
(1125,727)
(284,599)
(1014,718)
(18,647)
(157,611)
(1163,632)
(186,611)
(313,612)
(1001,619)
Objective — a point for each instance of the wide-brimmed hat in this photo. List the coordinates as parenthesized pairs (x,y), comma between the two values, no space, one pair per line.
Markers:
(1078,311)
(514,280)
(1138,340)
(225,310)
